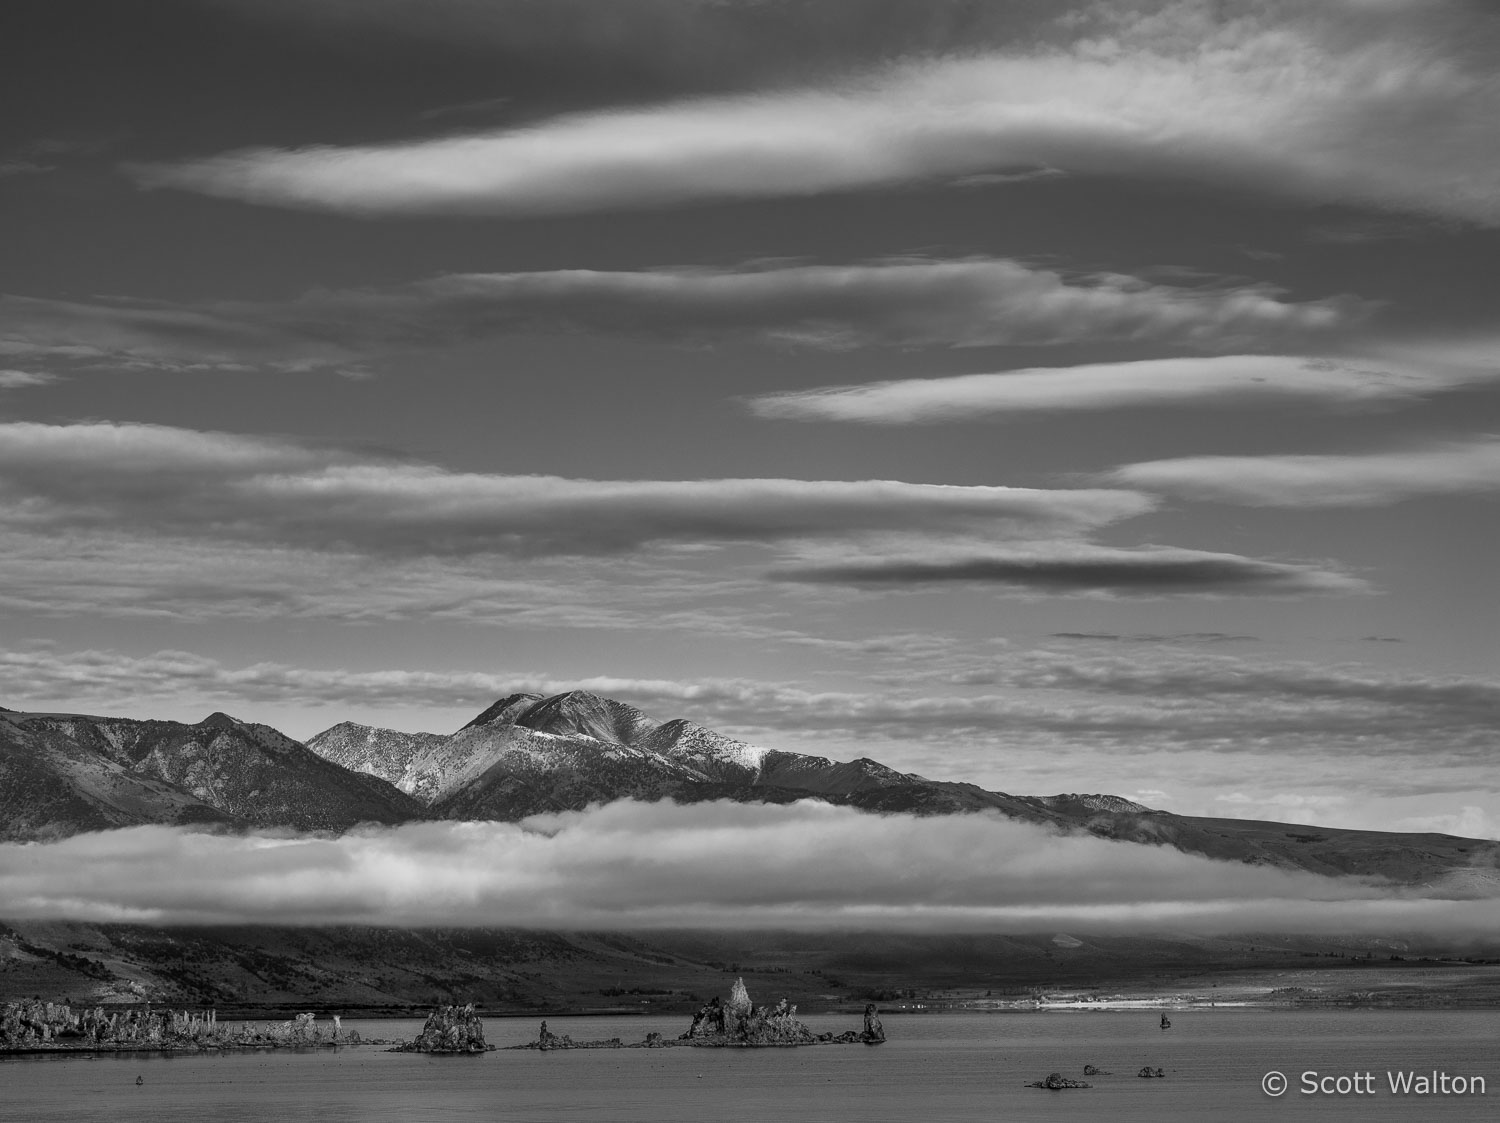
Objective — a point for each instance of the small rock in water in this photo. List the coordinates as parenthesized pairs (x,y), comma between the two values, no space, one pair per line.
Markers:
(874,1032)
(1057,1081)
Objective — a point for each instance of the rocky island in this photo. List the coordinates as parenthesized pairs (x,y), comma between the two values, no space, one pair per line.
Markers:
(735,1022)
(451,1029)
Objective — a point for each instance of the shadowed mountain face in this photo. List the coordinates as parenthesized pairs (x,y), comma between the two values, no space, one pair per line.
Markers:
(525,755)
(65,773)
(51,786)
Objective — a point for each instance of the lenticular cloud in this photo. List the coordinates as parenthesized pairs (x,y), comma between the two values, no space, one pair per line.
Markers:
(635,865)
(1298,99)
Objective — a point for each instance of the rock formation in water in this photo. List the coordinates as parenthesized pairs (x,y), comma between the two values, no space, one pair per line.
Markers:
(735,1022)
(740,1022)
(547,1040)
(451,1029)
(1057,1081)
(48,1025)
(1149,1071)
(709,1021)
(777,1025)
(1091,1070)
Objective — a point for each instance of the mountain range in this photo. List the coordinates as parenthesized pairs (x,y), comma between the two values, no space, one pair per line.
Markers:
(65,773)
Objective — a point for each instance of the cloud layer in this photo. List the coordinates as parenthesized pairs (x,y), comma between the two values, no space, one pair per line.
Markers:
(1224,379)
(1136,705)
(1353,480)
(1081,568)
(631,865)
(126,502)
(269,490)
(909,302)
(912,302)
(134,335)
(1340,102)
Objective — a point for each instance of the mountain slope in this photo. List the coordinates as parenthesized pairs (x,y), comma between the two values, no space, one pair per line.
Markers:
(52,787)
(94,772)
(525,755)
(384,753)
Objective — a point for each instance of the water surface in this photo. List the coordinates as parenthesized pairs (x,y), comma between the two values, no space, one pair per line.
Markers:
(935,1067)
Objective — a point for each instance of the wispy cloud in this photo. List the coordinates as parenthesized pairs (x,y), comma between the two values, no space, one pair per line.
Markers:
(911,302)
(1351,480)
(267,490)
(118,334)
(1224,379)
(907,302)
(1328,103)
(217,489)
(1080,568)
(19,379)
(43,155)
(1155,637)
(631,865)
(1290,734)
(1163,701)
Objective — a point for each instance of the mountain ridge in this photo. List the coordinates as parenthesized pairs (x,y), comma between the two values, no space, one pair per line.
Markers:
(64,773)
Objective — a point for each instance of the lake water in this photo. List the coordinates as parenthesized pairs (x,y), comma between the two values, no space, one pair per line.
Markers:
(934,1067)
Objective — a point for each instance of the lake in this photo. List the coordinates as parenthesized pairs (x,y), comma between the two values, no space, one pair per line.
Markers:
(935,1067)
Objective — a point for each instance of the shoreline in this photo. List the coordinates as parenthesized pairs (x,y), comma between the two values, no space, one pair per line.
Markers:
(135,1047)
(997,1007)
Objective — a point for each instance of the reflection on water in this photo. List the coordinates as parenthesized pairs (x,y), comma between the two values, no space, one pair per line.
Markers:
(934,1067)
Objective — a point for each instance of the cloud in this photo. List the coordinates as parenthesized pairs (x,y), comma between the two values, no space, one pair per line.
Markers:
(1082,568)
(1328,103)
(1397,745)
(1352,480)
(13,167)
(119,334)
(93,677)
(1201,675)
(1155,637)
(1159,701)
(40,156)
(18,379)
(207,484)
(1468,822)
(1214,380)
(913,302)
(909,302)
(633,865)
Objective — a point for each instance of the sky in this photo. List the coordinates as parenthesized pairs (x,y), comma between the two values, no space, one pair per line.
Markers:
(1055,396)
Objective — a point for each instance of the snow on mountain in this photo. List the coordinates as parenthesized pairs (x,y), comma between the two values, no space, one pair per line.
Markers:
(716,756)
(581,714)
